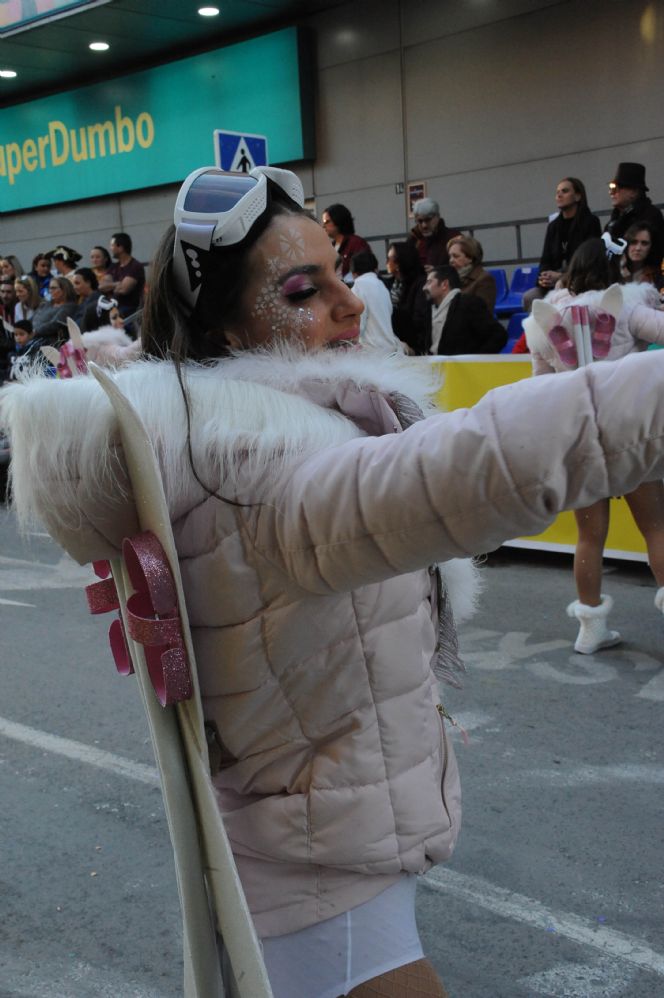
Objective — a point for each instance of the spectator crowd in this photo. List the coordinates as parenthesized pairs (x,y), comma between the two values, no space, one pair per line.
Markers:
(436,298)
(35,305)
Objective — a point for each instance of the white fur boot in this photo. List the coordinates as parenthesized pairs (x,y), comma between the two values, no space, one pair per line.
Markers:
(593,632)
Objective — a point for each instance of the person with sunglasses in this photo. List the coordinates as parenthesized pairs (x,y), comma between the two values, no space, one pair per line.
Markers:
(50,319)
(628,193)
(313,493)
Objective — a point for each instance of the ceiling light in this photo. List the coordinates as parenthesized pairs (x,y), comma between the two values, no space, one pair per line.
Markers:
(99,46)
(7,74)
(208,11)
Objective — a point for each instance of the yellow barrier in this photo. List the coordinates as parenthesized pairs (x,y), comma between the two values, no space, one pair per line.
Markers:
(464,380)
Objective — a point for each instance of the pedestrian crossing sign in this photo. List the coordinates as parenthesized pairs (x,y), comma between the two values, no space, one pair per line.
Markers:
(239,152)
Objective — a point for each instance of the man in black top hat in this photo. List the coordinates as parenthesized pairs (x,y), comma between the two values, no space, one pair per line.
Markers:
(627,191)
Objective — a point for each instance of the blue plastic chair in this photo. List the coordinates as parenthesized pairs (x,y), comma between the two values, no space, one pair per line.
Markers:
(502,287)
(514,330)
(523,279)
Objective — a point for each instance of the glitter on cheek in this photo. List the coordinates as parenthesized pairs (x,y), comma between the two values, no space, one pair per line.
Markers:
(280,319)
(304,324)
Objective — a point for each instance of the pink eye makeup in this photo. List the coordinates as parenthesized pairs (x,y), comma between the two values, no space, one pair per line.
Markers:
(297,287)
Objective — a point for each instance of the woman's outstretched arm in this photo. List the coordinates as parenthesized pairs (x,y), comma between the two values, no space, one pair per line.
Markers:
(464,482)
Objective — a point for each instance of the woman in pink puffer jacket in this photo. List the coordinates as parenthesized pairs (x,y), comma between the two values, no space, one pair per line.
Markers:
(311,503)
(588,320)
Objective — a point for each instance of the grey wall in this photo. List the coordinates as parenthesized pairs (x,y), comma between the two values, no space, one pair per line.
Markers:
(490,102)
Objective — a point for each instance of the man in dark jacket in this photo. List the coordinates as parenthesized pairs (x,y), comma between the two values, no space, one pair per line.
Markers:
(458,323)
(430,234)
(627,191)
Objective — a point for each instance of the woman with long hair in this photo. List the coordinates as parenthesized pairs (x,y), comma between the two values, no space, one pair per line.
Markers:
(10,267)
(640,261)
(406,287)
(339,225)
(27,297)
(41,273)
(617,321)
(86,289)
(100,261)
(50,319)
(573,224)
(311,503)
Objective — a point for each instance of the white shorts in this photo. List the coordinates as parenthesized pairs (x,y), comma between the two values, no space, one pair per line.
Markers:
(331,958)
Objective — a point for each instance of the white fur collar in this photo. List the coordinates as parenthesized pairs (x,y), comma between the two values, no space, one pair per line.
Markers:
(245,412)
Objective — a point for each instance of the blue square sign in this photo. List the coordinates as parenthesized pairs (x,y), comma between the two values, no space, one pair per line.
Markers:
(239,152)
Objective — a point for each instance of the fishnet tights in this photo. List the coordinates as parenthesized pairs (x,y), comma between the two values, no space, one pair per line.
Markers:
(414,980)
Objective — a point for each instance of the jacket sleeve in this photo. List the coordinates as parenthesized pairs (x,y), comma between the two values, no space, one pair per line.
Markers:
(647,324)
(547,261)
(485,333)
(56,328)
(462,483)
(485,289)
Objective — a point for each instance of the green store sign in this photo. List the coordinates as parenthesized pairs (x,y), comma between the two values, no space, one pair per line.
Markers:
(156,126)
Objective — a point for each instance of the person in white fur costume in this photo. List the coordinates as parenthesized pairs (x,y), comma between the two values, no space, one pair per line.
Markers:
(104,339)
(594,319)
(313,492)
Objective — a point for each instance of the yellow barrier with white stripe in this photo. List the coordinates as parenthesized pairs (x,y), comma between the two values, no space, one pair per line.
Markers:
(463,382)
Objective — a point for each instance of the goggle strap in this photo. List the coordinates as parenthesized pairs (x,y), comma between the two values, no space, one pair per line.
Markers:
(289,183)
(192,248)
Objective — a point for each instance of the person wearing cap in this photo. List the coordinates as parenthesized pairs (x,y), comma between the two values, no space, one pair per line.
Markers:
(64,260)
(628,192)
(430,234)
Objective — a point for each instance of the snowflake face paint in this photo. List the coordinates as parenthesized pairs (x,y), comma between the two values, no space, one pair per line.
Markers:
(294,292)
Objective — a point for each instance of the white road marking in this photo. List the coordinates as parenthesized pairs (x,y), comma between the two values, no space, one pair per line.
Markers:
(586,669)
(474,890)
(507,904)
(513,645)
(602,979)
(13,602)
(88,754)
(653,690)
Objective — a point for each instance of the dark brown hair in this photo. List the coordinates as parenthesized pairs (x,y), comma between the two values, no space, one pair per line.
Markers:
(167,330)
(590,269)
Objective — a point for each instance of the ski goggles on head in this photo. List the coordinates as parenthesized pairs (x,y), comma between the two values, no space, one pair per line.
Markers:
(214,208)
(105,304)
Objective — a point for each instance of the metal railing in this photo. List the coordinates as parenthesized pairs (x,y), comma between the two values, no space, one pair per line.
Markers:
(516,224)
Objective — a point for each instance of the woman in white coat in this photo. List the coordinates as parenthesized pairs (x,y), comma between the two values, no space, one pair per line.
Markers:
(310,503)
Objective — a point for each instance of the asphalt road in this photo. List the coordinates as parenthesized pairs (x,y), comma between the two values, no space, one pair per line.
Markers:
(556,887)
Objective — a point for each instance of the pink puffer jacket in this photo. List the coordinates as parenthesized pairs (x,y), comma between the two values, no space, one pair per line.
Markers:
(311,604)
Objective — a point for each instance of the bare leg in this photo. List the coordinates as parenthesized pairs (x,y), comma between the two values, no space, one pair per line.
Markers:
(593,526)
(646,505)
(414,980)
